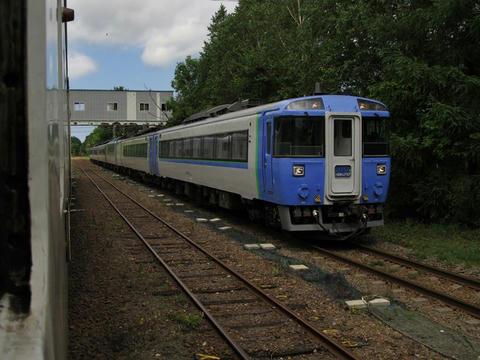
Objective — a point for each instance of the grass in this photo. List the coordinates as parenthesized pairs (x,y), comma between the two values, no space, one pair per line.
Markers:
(114,225)
(451,243)
(377,263)
(275,271)
(192,320)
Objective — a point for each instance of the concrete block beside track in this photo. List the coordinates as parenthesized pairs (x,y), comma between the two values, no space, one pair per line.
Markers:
(356,304)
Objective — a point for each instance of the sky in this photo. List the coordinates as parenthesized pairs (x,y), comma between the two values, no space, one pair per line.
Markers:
(134,44)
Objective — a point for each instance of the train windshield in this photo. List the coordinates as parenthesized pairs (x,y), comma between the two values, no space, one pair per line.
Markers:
(375,136)
(299,136)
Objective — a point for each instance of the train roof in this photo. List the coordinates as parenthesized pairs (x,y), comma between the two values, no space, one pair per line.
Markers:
(340,103)
(310,104)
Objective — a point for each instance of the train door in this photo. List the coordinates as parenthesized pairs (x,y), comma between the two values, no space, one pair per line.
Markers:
(153,154)
(267,154)
(343,156)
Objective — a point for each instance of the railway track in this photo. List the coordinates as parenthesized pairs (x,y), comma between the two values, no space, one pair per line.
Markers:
(400,260)
(437,289)
(254,324)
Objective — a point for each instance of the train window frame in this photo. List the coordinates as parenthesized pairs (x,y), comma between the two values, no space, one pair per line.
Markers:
(208,147)
(135,150)
(178,152)
(237,145)
(369,142)
(223,146)
(187,147)
(343,137)
(200,149)
(110,149)
(277,153)
(197,147)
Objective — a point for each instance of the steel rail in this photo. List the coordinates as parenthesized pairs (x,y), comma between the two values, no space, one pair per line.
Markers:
(469,308)
(185,289)
(473,283)
(331,345)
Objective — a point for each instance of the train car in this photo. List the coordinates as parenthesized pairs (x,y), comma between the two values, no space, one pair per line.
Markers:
(132,153)
(97,153)
(35,179)
(317,163)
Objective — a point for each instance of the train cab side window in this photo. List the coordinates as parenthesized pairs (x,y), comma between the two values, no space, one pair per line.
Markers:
(375,136)
(302,136)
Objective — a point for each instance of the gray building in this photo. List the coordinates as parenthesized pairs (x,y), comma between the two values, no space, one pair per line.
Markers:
(95,107)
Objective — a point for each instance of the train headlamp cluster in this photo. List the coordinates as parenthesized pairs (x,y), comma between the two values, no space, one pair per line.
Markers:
(298,170)
(381,169)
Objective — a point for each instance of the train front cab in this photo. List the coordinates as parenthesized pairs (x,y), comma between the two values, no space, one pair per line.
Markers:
(327,170)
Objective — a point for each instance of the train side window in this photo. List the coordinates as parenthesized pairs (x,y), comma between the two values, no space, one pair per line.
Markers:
(240,146)
(222,147)
(375,136)
(178,148)
(143,150)
(163,149)
(208,147)
(197,148)
(187,148)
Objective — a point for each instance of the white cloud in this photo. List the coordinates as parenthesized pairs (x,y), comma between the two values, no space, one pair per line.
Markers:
(80,65)
(166,30)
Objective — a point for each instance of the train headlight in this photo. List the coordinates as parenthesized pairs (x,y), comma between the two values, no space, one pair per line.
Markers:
(382,169)
(299,170)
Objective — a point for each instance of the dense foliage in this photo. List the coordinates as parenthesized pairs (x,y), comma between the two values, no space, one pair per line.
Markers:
(420,57)
(75,146)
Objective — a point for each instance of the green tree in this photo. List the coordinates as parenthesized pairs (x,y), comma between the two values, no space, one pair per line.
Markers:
(99,135)
(419,57)
(75,146)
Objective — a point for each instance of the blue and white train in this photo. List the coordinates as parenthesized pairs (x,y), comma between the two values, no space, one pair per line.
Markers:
(318,163)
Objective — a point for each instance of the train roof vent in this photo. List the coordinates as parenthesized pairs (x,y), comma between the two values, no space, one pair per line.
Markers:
(244,104)
(222,109)
(205,114)
(148,130)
